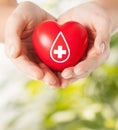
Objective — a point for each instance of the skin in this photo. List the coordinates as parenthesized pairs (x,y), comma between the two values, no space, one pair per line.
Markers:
(111,8)
(100,26)
(6,6)
(99,39)
(19,27)
(18,42)
(16,33)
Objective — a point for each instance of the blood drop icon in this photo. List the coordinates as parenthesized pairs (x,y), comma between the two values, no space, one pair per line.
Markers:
(60,51)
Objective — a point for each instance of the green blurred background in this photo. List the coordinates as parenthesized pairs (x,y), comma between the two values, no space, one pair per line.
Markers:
(88,104)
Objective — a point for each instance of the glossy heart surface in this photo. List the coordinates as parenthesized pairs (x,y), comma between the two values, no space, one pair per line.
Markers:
(60,46)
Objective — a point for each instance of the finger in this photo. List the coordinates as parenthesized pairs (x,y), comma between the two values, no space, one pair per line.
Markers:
(31,69)
(66,82)
(49,77)
(84,68)
(91,62)
(102,35)
(67,73)
(63,82)
(13,31)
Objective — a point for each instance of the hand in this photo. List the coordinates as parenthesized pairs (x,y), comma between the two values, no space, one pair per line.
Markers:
(18,43)
(94,18)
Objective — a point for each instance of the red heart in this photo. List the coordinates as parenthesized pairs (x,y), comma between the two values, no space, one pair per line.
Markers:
(60,46)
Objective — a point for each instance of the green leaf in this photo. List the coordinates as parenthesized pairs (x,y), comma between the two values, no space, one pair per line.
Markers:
(114,40)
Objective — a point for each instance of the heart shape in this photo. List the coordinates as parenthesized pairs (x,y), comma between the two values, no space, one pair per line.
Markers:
(60,46)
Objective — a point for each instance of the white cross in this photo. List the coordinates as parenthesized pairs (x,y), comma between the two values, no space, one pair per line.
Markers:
(60,52)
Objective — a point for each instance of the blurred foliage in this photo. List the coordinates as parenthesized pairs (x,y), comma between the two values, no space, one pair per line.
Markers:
(114,40)
(88,104)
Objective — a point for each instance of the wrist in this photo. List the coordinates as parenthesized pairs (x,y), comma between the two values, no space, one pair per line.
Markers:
(5,12)
(111,8)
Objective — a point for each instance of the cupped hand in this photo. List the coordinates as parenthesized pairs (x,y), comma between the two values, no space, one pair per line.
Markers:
(97,22)
(18,42)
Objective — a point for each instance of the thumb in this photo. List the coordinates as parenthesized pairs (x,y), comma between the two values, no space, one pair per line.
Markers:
(14,28)
(101,42)
(102,38)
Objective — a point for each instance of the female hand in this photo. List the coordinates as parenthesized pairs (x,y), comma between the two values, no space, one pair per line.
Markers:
(98,24)
(18,42)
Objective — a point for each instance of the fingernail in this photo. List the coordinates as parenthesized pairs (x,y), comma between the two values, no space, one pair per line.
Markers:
(11,51)
(102,47)
(67,74)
